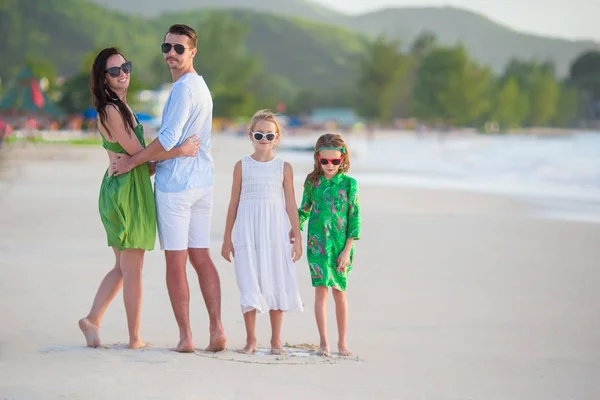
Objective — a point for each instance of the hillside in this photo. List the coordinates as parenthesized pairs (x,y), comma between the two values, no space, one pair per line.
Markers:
(307,54)
(290,8)
(63,31)
(489,43)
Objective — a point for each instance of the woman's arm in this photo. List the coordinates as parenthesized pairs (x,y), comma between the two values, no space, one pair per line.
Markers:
(120,134)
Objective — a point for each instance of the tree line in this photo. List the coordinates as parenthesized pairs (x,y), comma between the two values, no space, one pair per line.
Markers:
(443,85)
(435,84)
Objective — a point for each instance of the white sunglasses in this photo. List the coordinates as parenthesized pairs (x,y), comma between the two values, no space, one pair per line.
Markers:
(258,136)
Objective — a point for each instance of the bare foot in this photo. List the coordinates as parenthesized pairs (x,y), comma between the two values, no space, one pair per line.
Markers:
(278,351)
(344,351)
(249,349)
(137,345)
(324,351)
(185,346)
(90,331)
(276,348)
(217,342)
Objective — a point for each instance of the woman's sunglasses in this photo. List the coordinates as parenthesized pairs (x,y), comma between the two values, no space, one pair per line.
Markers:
(334,161)
(258,136)
(179,48)
(126,67)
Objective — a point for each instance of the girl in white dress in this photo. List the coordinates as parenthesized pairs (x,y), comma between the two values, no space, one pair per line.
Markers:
(262,208)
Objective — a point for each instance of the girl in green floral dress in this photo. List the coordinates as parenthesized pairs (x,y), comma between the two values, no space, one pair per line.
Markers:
(330,204)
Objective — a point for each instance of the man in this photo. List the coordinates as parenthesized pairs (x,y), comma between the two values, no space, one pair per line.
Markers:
(184,187)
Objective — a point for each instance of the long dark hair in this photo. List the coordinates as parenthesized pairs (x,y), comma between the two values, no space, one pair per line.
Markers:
(328,140)
(102,95)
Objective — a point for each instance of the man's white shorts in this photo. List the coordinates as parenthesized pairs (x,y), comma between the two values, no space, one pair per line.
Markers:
(183,218)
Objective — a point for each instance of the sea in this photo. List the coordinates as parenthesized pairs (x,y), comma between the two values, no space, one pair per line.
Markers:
(559,174)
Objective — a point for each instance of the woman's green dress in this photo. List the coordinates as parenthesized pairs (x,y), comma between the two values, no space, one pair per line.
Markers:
(126,203)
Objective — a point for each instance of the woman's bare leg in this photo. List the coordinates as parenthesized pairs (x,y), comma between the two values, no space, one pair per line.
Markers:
(110,285)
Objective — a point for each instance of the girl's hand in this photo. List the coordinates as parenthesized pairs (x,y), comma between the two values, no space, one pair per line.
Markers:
(190,146)
(227,250)
(296,250)
(343,261)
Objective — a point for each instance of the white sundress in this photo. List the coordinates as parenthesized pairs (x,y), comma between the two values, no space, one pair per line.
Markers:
(264,268)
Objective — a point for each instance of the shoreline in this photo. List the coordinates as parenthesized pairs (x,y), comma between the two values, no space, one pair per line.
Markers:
(546,203)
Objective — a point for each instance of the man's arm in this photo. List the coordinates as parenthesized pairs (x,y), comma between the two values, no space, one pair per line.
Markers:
(179,106)
(189,148)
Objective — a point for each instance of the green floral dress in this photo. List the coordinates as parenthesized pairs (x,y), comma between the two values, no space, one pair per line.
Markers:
(333,212)
(126,203)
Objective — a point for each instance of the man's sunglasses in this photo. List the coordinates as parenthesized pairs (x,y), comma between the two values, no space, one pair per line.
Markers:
(179,48)
(126,67)
(334,161)
(258,136)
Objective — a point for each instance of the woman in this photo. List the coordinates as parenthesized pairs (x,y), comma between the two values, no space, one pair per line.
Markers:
(126,202)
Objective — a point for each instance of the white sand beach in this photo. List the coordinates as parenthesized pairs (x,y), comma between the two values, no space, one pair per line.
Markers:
(454,296)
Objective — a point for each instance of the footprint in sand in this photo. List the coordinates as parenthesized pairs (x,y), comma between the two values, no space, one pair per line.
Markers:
(291,354)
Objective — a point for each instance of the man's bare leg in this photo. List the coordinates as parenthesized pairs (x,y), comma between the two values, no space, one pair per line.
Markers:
(111,284)
(210,285)
(179,293)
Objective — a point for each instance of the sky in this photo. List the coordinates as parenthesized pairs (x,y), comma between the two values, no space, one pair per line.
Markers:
(570,19)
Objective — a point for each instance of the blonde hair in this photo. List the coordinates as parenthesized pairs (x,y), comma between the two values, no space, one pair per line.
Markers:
(264,115)
(329,140)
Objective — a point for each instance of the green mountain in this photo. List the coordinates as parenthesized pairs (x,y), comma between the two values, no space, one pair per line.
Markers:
(302,45)
(64,32)
(292,8)
(488,42)
(308,54)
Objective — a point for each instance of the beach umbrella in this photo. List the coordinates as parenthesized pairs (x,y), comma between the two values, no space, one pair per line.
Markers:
(25,96)
(143,117)
(90,113)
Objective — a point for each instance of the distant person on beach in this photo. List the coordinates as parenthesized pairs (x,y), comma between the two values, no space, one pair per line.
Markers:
(2,131)
(262,208)
(330,203)
(5,131)
(184,188)
(126,202)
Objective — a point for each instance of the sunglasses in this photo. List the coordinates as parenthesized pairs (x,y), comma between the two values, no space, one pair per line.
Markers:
(258,136)
(179,48)
(126,67)
(333,161)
